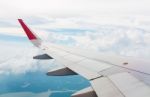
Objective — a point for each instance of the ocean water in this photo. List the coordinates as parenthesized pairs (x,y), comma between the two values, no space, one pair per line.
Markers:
(38,84)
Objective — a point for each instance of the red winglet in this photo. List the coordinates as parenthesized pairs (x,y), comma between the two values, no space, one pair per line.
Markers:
(29,33)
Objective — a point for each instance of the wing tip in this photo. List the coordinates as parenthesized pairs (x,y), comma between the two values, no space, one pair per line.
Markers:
(19,19)
(28,32)
(31,35)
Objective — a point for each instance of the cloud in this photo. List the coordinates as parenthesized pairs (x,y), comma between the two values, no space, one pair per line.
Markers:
(19,59)
(127,36)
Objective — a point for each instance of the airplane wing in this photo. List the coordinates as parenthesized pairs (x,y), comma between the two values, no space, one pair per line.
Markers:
(109,75)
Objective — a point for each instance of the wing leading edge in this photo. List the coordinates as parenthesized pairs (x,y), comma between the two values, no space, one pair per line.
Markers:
(107,75)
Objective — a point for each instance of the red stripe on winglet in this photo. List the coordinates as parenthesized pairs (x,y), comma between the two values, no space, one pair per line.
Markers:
(27,30)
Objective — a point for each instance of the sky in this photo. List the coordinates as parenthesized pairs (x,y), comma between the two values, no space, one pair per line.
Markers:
(66,8)
(112,26)
(109,26)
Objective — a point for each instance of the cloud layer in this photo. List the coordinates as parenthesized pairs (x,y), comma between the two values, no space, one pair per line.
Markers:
(128,36)
(17,59)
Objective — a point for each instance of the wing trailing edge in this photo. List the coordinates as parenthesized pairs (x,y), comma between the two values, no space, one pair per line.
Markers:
(86,92)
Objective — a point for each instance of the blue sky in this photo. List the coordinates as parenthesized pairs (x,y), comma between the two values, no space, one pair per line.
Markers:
(12,38)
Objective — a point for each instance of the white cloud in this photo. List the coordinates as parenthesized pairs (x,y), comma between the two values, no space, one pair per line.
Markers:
(19,60)
(12,31)
(123,35)
(44,23)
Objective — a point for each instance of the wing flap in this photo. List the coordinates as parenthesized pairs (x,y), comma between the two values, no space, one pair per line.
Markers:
(129,85)
(87,92)
(105,88)
(120,85)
